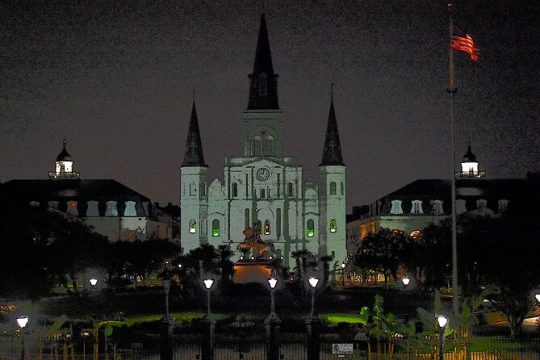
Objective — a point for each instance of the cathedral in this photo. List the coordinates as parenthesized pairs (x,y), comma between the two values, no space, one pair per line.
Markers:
(264,188)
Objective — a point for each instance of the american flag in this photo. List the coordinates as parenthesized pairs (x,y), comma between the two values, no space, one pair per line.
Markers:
(465,43)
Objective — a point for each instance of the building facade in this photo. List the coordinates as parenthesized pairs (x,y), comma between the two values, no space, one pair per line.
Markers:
(109,207)
(264,187)
(428,201)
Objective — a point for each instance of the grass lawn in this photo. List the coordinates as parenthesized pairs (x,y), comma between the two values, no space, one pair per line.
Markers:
(336,318)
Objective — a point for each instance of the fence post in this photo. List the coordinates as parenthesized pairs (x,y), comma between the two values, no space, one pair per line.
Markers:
(166,340)
(313,325)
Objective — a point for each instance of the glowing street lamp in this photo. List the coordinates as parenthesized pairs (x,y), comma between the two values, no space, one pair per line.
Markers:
(537,297)
(406,281)
(22,321)
(93,282)
(442,321)
(272,282)
(208,285)
(313,281)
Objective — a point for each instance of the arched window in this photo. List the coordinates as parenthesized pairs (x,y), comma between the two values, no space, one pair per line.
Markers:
(215,228)
(234,189)
(332,188)
(266,227)
(290,189)
(310,231)
(333,225)
(268,145)
(192,226)
(257,144)
(263,84)
(263,193)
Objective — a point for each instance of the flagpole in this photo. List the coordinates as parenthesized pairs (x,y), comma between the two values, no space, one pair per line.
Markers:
(452,90)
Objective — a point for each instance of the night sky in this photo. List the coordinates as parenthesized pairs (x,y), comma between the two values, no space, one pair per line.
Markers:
(116,78)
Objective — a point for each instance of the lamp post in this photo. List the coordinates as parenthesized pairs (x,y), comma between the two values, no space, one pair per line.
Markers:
(167,326)
(85,334)
(272,325)
(343,274)
(313,325)
(208,325)
(22,321)
(442,321)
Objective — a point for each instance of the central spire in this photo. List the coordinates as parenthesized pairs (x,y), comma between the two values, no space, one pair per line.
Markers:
(263,81)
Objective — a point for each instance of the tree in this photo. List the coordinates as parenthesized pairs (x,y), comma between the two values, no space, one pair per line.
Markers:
(429,256)
(502,252)
(382,252)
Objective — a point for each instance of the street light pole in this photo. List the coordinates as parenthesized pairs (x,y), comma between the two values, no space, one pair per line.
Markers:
(313,325)
(272,324)
(208,325)
(442,321)
(167,326)
(22,321)
(343,274)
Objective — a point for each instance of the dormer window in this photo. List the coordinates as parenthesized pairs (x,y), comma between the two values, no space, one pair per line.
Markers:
(503,205)
(416,207)
(481,203)
(437,207)
(263,84)
(396,207)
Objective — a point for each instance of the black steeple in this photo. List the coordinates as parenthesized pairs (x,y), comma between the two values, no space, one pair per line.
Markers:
(332,146)
(469,156)
(263,81)
(64,155)
(194,151)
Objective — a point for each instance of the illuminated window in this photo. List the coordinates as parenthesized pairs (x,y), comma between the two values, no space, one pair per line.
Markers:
(290,189)
(234,189)
(437,207)
(417,207)
(396,207)
(111,209)
(310,231)
(266,227)
(215,228)
(503,205)
(263,84)
(332,188)
(333,225)
(192,226)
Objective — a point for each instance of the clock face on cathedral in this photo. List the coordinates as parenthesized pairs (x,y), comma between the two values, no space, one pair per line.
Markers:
(262,174)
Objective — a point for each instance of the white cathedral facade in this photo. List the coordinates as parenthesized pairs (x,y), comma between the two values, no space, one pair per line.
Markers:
(264,187)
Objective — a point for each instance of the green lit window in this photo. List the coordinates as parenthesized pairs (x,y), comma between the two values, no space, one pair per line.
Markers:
(215,228)
(192,226)
(333,225)
(266,227)
(310,232)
